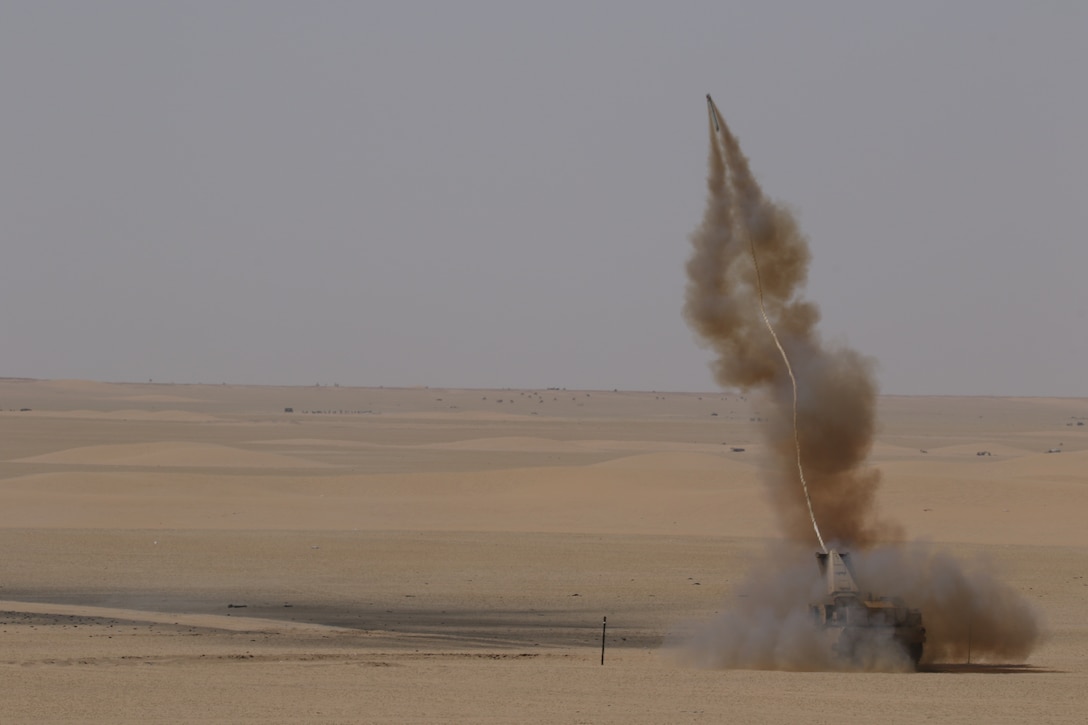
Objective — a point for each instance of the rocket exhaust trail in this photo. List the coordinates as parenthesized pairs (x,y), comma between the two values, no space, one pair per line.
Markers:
(716,123)
(793,382)
(745,276)
(748,265)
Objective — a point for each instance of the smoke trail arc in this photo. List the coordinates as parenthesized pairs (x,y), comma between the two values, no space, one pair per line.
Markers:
(748,265)
(793,382)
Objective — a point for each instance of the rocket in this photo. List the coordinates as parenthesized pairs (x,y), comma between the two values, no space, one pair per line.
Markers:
(713,111)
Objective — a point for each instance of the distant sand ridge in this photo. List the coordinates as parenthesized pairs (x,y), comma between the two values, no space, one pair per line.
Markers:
(471,557)
(177,454)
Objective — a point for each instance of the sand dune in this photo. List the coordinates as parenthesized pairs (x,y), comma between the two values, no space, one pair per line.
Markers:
(444,559)
(509,443)
(126,414)
(983,449)
(723,466)
(311,443)
(515,443)
(152,398)
(701,499)
(202,621)
(1064,466)
(178,454)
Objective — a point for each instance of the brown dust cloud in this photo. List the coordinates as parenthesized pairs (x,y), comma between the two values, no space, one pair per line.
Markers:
(750,258)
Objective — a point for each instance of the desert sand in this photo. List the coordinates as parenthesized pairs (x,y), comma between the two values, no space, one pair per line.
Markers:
(196,553)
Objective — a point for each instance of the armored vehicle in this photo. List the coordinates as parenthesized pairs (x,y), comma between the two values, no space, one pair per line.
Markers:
(854,620)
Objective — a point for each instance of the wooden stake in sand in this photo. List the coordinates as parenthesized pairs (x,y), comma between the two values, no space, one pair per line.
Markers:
(604,627)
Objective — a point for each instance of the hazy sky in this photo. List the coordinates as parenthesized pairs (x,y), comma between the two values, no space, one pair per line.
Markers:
(500,194)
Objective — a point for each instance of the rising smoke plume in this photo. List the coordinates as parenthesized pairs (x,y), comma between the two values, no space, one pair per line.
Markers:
(749,259)
(969,614)
(836,392)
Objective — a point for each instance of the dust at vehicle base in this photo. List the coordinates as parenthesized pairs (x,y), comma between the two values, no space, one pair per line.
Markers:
(862,628)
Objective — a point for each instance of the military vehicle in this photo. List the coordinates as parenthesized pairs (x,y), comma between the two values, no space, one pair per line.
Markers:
(856,622)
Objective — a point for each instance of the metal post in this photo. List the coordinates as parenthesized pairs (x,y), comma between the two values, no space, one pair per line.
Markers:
(604,627)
